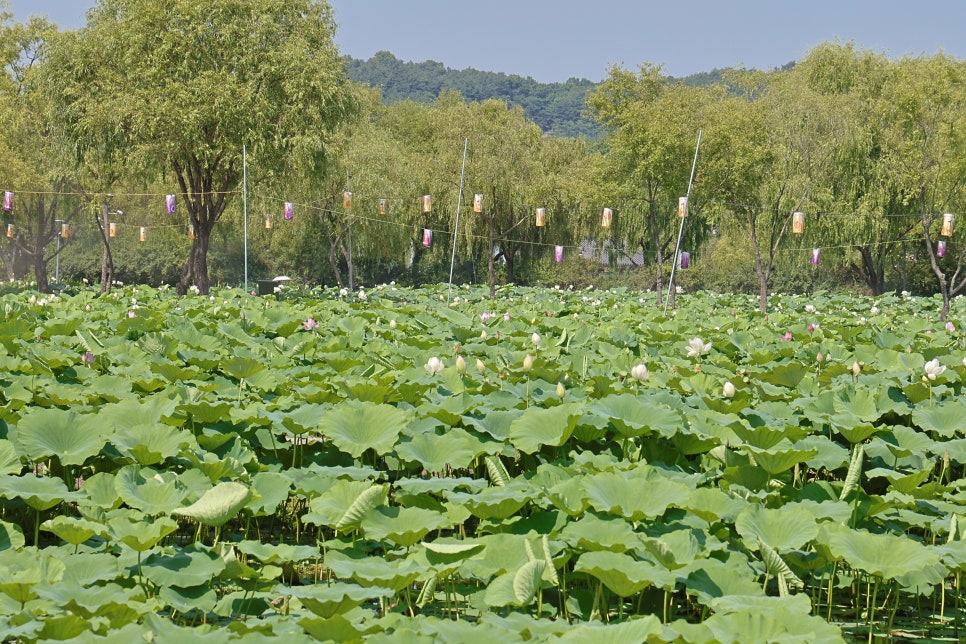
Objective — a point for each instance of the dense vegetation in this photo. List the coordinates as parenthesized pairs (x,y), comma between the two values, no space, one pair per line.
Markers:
(403,465)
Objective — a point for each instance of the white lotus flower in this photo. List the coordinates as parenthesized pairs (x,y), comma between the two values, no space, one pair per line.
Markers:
(728,391)
(434,365)
(639,372)
(480,366)
(697,346)
(933,369)
(535,339)
(561,392)
(527,362)
(460,364)
(392,323)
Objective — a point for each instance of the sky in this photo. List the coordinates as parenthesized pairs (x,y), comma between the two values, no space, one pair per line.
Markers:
(553,40)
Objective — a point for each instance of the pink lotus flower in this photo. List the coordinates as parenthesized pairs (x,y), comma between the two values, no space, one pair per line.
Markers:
(506,317)
(812,327)
(950,327)
(132,314)
(787,336)
(88,358)
(309,324)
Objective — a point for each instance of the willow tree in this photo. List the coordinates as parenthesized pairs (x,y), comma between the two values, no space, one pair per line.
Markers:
(180,87)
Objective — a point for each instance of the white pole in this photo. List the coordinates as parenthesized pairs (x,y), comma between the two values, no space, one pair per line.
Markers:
(459,201)
(677,247)
(245,206)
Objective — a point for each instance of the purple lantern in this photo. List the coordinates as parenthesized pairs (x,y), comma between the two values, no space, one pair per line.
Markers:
(8,201)
(427,237)
(940,248)
(815,257)
(685,259)
(289,211)
(169,204)
(558,254)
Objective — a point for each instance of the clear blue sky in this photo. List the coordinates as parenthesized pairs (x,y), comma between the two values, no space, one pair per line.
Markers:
(552,40)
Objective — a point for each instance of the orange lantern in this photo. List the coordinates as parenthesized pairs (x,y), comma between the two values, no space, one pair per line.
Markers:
(144,233)
(112,229)
(268,222)
(65,230)
(346,199)
(11,229)
(381,209)
(191,231)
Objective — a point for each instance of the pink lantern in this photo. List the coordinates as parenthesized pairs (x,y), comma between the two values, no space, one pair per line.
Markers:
(427,237)
(558,254)
(169,204)
(289,211)
(8,201)
(940,248)
(815,257)
(685,259)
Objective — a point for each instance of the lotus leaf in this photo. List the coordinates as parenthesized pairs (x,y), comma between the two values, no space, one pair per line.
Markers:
(218,505)
(495,502)
(39,492)
(11,536)
(537,427)
(885,555)
(634,630)
(518,587)
(150,491)
(946,419)
(434,452)
(185,600)
(271,489)
(632,416)
(623,574)
(335,599)
(278,553)
(88,568)
(151,444)
(140,535)
(402,526)
(356,427)
(593,532)
(71,437)
(774,625)
(374,571)
(344,503)
(185,569)
(74,530)
(632,497)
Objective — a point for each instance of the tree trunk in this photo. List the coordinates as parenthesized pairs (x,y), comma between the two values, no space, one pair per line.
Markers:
(107,260)
(491,269)
(872,270)
(658,254)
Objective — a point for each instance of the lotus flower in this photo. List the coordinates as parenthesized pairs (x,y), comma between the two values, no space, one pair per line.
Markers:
(640,372)
(434,365)
(856,369)
(460,364)
(787,336)
(697,346)
(528,362)
(950,327)
(88,358)
(535,339)
(933,369)
(728,391)
(560,390)
(480,366)
(392,323)
(309,324)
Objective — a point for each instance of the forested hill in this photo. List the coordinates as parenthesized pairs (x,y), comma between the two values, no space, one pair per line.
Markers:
(558,108)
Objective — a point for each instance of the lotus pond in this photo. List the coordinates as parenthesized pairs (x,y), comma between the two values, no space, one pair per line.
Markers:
(406,465)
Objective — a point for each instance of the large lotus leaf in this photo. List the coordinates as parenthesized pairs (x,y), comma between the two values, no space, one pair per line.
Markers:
(11,536)
(592,532)
(517,587)
(88,568)
(905,441)
(569,496)
(74,530)
(772,625)
(709,578)
(785,375)
(501,553)
(20,575)
(886,555)
(713,504)
(623,574)
(374,571)
(329,600)
(271,489)
(140,535)
(905,483)
(344,503)
(678,548)
(355,427)
(73,438)
(946,419)
(150,491)
(538,426)
(435,452)
(781,457)
(9,458)
(99,491)
(632,416)
(185,568)
(632,497)
(39,492)
(783,528)
(495,422)
(402,526)
(151,444)
(761,434)
(218,505)
(240,367)
(201,598)
(632,630)
(278,553)
(498,502)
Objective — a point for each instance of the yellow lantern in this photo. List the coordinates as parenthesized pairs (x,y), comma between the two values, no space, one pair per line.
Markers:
(65,230)
(427,203)
(541,217)
(191,231)
(144,233)
(11,229)
(381,209)
(112,229)
(947,230)
(478,202)
(607,218)
(347,200)
(798,222)
(268,222)
(682,206)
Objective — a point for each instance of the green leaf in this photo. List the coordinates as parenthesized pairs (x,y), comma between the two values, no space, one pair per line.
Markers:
(39,492)
(149,491)
(73,530)
(634,498)
(946,419)
(73,438)
(537,427)
(784,528)
(355,427)
(218,505)
(622,574)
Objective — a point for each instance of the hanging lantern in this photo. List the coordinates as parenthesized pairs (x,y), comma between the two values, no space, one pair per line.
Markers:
(381,209)
(191,231)
(947,230)
(941,248)
(478,202)
(169,204)
(347,200)
(798,222)
(65,230)
(541,217)
(684,260)
(558,254)
(268,222)
(289,211)
(682,206)
(144,233)
(427,203)
(815,257)
(427,237)
(11,229)
(607,218)
(112,229)
(8,201)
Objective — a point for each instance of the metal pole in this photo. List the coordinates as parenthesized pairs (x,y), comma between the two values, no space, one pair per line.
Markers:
(459,201)
(245,206)
(348,178)
(677,247)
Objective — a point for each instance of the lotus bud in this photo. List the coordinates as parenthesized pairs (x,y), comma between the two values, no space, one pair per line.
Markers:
(480,366)
(819,357)
(392,324)
(639,372)
(535,339)
(528,362)
(483,335)
(460,364)
(856,368)
(728,391)
(560,390)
